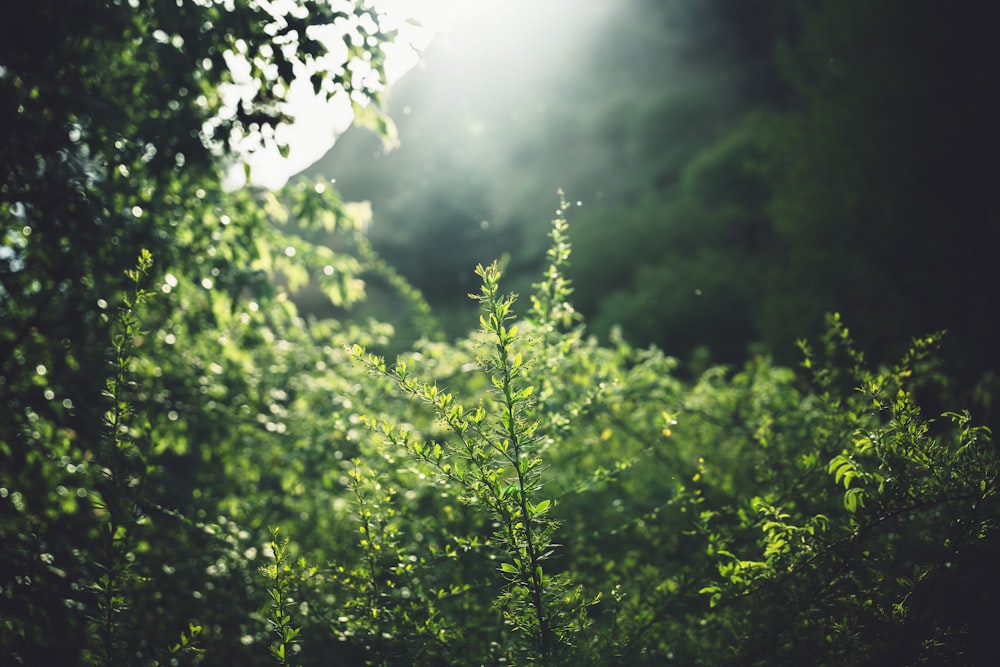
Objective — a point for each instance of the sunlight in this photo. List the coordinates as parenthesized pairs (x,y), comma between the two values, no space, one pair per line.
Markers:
(318,122)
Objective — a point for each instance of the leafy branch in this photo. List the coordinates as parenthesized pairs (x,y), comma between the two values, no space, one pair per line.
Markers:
(119,476)
(493,458)
(282,577)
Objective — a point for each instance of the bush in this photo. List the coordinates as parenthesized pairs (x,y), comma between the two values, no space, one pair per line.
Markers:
(523,495)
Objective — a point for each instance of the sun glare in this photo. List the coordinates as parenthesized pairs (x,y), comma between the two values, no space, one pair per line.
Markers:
(318,122)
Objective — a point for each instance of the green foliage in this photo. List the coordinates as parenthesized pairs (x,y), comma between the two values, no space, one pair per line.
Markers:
(528,493)
(562,501)
(862,570)
(119,466)
(116,517)
(281,574)
(493,460)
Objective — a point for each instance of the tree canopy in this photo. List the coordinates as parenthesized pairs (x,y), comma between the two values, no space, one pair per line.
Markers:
(119,119)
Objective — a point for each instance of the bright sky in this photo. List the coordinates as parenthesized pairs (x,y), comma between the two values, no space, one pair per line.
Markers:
(319,122)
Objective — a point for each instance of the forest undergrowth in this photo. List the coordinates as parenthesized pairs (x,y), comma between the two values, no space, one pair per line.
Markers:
(523,495)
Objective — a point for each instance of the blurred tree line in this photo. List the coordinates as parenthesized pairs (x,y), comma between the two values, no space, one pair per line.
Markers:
(743,167)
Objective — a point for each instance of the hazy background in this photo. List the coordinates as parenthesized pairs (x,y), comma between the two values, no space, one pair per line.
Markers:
(737,168)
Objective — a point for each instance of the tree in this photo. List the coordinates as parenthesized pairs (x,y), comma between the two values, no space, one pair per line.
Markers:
(880,167)
(117,121)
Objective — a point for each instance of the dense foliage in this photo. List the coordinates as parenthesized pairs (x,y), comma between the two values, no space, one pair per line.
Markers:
(192,471)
